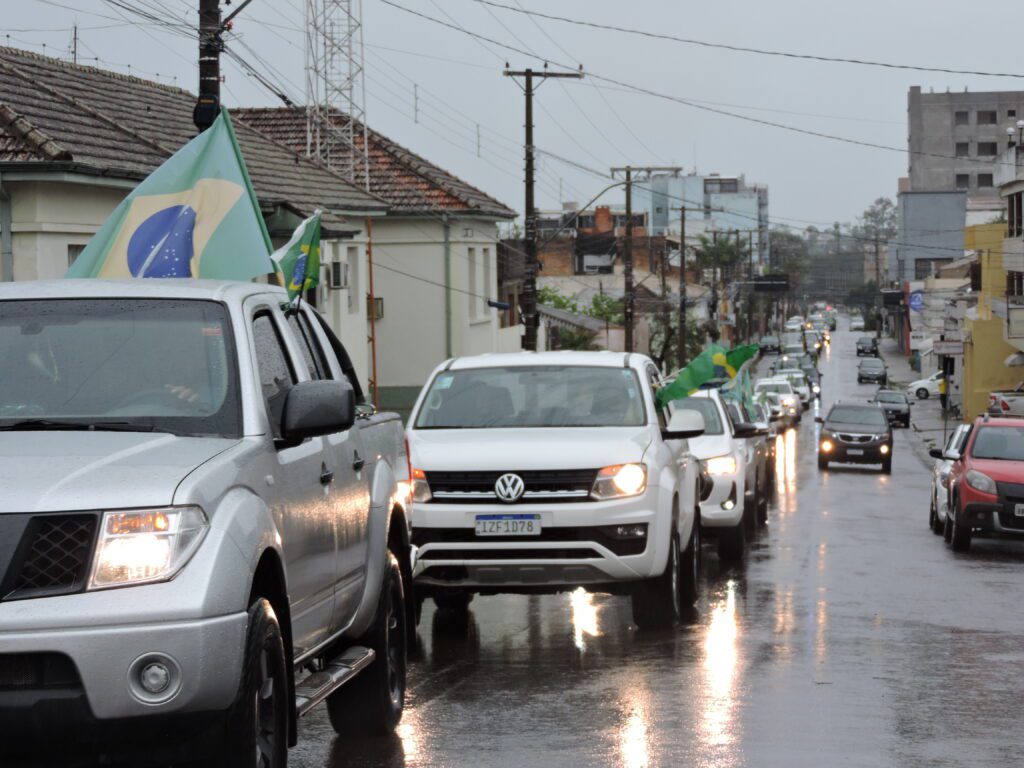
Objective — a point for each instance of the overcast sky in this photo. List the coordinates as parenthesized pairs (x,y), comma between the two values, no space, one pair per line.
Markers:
(811,180)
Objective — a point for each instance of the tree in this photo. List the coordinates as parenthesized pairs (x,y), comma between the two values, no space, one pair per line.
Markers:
(578,339)
(863,297)
(879,219)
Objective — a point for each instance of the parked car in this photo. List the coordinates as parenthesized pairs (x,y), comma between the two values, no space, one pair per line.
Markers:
(770,345)
(552,471)
(760,452)
(873,370)
(791,409)
(194,513)
(922,389)
(986,483)
(867,345)
(895,404)
(944,459)
(813,379)
(728,503)
(857,323)
(855,433)
(1007,402)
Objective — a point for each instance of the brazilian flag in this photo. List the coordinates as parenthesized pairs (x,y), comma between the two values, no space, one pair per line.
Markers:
(299,258)
(714,362)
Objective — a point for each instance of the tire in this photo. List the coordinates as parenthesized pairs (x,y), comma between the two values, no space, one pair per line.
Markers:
(922,394)
(960,537)
(371,705)
(731,543)
(257,723)
(762,508)
(689,576)
(947,527)
(933,519)
(656,601)
(887,466)
(751,507)
(822,464)
(453,602)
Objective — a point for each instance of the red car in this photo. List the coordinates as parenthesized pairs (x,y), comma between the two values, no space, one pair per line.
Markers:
(986,483)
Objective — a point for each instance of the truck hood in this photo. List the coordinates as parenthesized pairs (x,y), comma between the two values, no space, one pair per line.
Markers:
(56,470)
(448,450)
(709,446)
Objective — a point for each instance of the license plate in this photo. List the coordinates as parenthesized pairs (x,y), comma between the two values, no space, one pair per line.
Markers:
(855,451)
(508,525)
(1018,510)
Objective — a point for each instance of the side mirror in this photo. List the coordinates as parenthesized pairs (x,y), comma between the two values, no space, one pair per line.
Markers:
(936,453)
(952,456)
(683,425)
(315,408)
(745,429)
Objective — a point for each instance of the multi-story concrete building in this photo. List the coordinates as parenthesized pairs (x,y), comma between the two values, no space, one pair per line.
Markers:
(931,233)
(713,202)
(955,139)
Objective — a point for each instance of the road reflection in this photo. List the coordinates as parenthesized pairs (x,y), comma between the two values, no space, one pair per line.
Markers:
(634,736)
(718,718)
(584,618)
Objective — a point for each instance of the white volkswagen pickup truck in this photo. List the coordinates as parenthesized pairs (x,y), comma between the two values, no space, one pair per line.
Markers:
(202,535)
(539,473)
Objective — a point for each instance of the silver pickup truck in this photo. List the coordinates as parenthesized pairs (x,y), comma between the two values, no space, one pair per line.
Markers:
(203,533)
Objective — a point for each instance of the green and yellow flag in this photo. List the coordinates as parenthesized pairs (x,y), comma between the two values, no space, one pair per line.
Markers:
(194,216)
(714,362)
(298,260)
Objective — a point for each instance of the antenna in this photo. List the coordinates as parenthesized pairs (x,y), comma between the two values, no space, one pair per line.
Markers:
(336,132)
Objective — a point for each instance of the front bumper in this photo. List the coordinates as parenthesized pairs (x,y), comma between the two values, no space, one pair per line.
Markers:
(856,453)
(996,518)
(877,378)
(726,491)
(898,417)
(573,549)
(206,652)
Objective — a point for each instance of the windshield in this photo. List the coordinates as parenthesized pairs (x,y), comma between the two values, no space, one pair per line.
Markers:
(769,339)
(533,396)
(772,386)
(858,414)
(1002,443)
(146,364)
(864,340)
(872,362)
(891,397)
(705,407)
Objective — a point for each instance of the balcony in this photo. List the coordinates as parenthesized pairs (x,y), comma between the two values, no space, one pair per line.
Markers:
(1013,254)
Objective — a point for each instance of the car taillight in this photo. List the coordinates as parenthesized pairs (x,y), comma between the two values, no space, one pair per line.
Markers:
(1004,405)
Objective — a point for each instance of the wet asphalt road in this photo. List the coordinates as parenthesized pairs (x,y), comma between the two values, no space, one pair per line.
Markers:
(850,636)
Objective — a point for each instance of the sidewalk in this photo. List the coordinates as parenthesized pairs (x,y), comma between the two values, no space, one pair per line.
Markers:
(926,418)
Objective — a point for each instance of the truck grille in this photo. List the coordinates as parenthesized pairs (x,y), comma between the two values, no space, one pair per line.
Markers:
(36,670)
(53,557)
(542,485)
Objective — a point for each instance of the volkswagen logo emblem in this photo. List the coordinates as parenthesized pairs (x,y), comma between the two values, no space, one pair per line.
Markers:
(509,487)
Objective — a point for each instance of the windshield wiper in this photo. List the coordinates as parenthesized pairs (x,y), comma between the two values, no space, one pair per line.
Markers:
(35,425)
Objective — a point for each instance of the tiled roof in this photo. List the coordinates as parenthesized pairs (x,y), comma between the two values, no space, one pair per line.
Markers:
(52,111)
(409,183)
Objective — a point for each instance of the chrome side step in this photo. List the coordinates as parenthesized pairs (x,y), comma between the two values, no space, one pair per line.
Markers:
(318,686)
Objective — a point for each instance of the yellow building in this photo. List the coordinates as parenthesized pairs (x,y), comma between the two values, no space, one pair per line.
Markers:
(985,348)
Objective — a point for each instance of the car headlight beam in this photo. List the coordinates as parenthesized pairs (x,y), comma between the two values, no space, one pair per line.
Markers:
(620,481)
(143,546)
(721,465)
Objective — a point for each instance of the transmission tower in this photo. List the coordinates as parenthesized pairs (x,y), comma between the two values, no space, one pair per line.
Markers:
(336,132)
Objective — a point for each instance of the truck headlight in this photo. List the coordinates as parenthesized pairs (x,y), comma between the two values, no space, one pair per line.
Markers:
(620,481)
(721,465)
(420,487)
(142,546)
(816,389)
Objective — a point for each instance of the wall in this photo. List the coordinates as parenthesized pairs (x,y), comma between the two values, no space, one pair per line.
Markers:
(930,227)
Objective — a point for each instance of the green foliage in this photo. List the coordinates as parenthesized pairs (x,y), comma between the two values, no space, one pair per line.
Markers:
(863,297)
(878,219)
(602,306)
(580,339)
(549,297)
(721,253)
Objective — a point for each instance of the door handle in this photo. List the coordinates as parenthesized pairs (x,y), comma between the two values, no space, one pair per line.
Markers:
(326,476)
(358,462)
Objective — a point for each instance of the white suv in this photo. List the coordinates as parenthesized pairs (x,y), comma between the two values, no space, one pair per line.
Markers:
(728,503)
(546,472)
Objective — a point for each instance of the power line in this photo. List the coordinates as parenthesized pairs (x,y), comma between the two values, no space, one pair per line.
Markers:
(744,49)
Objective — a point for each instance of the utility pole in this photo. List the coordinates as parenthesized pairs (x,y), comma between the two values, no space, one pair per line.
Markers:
(682,288)
(750,287)
(74,44)
(210,46)
(878,285)
(529,295)
(627,260)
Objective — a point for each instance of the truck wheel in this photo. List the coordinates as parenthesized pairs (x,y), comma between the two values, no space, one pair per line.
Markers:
(371,705)
(656,601)
(822,463)
(887,466)
(731,543)
(750,507)
(257,724)
(947,526)
(690,566)
(960,536)
(762,507)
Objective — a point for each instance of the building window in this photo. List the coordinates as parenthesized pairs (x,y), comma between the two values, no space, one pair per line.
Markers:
(74,251)
(486,288)
(987,149)
(961,117)
(353,279)
(962,148)
(1015,215)
(1011,113)
(987,117)
(721,186)
(963,180)
(1015,286)
(474,300)
(984,180)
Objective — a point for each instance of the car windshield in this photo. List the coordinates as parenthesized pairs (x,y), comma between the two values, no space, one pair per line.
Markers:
(862,415)
(533,396)
(1002,443)
(164,365)
(774,386)
(706,407)
(864,340)
(891,397)
(873,363)
(769,339)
